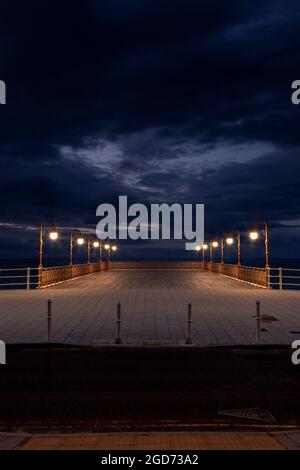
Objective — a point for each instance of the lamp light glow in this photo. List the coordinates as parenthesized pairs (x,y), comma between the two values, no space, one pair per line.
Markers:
(198,248)
(96,244)
(53,235)
(114,248)
(205,246)
(80,241)
(229,241)
(215,244)
(107,246)
(253,235)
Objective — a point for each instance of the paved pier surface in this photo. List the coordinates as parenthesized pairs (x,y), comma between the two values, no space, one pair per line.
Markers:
(283,440)
(156,441)
(154,306)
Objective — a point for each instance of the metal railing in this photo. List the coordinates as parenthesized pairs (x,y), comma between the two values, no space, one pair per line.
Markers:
(29,278)
(55,275)
(19,278)
(284,278)
(156,264)
(258,276)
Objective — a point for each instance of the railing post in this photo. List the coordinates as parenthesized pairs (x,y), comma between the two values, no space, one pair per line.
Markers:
(258,322)
(49,318)
(268,277)
(28,279)
(39,277)
(189,325)
(118,333)
(280,278)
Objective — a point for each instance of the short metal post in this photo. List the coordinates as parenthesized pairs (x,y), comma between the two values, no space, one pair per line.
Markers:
(258,321)
(28,279)
(118,334)
(49,318)
(280,278)
(189,325)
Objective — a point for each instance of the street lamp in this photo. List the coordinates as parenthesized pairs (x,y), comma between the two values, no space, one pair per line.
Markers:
(79,241)
(204,247)
(107,247)
(53,235)
(212,246)
(97,244)
(254,236)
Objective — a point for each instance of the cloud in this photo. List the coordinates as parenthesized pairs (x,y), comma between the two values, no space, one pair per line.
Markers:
(183,100)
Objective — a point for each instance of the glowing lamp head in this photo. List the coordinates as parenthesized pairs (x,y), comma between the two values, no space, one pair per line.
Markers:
(107,246)
(198,248)
(96,244)
(205,246)
(215,244)
(114,248)
(253,235)
(53,235)
(229,241)
(80,241)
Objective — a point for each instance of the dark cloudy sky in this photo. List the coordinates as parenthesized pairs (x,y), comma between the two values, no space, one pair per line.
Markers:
(164,101)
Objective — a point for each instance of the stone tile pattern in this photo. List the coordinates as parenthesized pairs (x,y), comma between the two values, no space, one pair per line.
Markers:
(156,441)
(154,309)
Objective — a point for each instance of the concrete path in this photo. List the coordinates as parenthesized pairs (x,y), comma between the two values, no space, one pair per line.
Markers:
(150,441)
(154,306)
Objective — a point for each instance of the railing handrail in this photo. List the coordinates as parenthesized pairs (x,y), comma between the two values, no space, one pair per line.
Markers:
(18,269)
(236,265)
(70,265)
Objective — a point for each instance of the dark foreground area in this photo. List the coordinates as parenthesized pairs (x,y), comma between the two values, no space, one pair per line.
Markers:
(119,388)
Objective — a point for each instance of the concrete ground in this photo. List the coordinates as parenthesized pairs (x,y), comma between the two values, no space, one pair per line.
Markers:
(154,310)
(153,441)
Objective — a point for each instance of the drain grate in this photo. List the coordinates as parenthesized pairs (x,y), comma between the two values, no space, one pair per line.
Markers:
(268,318)
(257,414)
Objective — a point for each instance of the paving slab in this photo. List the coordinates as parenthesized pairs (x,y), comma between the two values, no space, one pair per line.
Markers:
(156,441)
(154,309)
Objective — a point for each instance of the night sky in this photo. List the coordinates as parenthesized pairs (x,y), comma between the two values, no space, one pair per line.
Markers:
(160,100)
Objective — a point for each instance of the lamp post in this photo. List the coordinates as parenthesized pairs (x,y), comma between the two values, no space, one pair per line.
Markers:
(222,251)
(204,247)
(254,236)
(213,245)
(100,252)
(107,247)
(239,248)
(80,241)
(229,241)
(88,250)
(97,244)
(53,235)
(267,245)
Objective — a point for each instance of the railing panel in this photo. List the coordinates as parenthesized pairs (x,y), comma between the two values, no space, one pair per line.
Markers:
(243,273)
(55,275)
(156,265)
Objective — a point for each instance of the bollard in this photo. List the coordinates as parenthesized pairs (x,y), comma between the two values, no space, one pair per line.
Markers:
(118,334)
(189,325)
(258,320)
(49,318)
